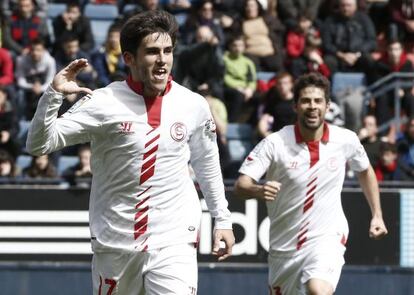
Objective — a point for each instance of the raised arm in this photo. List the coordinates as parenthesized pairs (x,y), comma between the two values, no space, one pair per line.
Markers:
(369,186)
(47,133)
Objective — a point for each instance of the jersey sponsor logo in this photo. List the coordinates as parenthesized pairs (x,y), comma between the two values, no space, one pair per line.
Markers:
(78,104)
(125,128)
(332,164)
(178,131)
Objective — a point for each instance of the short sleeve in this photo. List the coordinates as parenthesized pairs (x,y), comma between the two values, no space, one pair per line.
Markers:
(357,156)
(259,160)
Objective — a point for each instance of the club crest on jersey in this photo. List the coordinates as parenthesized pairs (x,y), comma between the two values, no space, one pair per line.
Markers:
(332,164)
(178,131)
(125,128)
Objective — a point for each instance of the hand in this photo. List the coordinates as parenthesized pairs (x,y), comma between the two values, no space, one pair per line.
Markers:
(409,25)
(270,190)
(227,236)
(4,136)
(248,93)
(65,80)
(377,228)
(314,56)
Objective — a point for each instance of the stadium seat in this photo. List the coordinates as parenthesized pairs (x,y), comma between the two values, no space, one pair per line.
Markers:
(101,11)
(265,76)
(23,161)
(100,30)
(128,7)
(23,130)
(55,9)
(239,139)
(65,162)
(345,81)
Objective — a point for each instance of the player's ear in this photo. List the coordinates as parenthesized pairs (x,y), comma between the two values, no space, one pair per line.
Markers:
(128,58)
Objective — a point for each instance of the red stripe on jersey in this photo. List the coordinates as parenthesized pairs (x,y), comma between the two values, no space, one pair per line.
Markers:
(313,147)
(151,131)
(150,152)
(147,175)
(300,243)
(152,140)
(149,163)
(143,192)
(145,248)
(141,212)
(140,227)
(303,226)
(311,190)
(310,183)
(302,234)
(142,202)
(308,199)
(308,206)
(154,110)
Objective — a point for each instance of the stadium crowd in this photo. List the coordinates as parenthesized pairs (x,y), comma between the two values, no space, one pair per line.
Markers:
(242,56)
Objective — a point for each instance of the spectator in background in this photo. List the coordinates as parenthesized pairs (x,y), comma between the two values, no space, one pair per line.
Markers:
(402,15)
(200,65)
(348,39)
(40,167)
(72,22)
(386,167)
(6,67)
(82,170)
(303,47)
(71,51)
(8,167)
(9,126)
(395,60)
(34,73)
(108,61)
(202,14)
(289,11)
(23,27)
(8,6)
(368,135)
(263,35)
(239,78)
(406,152)
(142,5)
(278,106)
(219,113)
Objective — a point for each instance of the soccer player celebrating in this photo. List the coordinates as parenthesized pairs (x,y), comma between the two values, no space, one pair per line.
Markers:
(305,168)
(144,208)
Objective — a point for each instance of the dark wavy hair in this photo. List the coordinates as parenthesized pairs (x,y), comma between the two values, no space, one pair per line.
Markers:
(146,23)
(312,79)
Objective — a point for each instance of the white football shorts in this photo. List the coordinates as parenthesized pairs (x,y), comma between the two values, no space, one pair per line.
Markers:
(288,274)
(168,271)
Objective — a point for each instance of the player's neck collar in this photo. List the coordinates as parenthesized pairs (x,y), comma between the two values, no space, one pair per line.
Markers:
(138,87)
(325,135)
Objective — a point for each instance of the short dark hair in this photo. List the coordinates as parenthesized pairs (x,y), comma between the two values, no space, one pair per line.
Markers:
(146,23)
(309,80)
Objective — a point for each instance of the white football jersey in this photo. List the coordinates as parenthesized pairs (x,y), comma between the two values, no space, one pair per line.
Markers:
(142,196)
(308,206)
